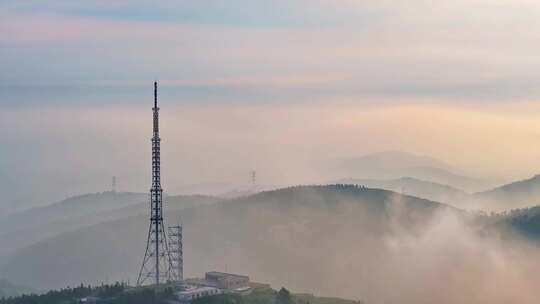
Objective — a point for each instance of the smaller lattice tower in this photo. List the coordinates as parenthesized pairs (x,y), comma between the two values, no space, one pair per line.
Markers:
(176,252)
(113,184)
(253,181)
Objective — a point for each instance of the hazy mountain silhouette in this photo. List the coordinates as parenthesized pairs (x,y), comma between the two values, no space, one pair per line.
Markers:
(81,211)
(398,159)
(517,194)
(398,164)
(76,206)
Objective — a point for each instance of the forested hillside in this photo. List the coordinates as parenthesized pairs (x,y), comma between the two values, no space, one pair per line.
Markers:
(270,235)
(330,240)
(120,293)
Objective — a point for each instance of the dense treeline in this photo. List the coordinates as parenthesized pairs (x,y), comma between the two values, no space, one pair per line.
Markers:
(120,293)
(143,296)
(117,293)
(270,296)
(259,296)
(525,220)
(65,295)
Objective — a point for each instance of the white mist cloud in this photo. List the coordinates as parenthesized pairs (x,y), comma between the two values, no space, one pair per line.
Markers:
(445,259)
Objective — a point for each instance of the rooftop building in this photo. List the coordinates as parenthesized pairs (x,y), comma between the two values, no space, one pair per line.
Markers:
(224,280)
(194,293)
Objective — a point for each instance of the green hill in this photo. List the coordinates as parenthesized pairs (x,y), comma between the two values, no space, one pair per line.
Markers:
(270,235)
(336,240)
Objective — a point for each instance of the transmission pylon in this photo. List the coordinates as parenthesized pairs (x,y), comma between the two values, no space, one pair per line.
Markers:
(156,263)
(253,181)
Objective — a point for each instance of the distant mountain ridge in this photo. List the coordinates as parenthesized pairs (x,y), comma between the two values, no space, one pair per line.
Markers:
(399,159)
(397,164)
(22,232)
(70,207)
(517,194)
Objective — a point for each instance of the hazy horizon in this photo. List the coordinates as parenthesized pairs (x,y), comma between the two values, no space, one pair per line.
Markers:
(222,143)
(246,84)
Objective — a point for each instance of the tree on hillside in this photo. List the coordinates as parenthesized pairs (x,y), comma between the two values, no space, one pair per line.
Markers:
(284,296)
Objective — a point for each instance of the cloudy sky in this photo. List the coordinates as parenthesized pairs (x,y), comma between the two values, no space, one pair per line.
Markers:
(262,84)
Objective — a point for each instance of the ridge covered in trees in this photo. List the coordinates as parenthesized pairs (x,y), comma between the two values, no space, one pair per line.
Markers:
(120,293)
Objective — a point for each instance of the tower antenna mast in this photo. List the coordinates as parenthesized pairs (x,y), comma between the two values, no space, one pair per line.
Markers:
(156,263)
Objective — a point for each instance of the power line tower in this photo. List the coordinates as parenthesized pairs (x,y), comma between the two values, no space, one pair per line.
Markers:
(113,185)
(177,254)
(156,263)
(253,181)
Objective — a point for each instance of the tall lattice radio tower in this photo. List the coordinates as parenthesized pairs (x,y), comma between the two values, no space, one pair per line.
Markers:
(157,262)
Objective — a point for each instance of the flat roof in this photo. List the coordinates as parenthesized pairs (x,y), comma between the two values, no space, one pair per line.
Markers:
(224,274)
(197,290)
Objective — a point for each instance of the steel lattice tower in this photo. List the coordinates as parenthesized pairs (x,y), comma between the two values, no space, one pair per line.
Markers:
(177,254)
(253,181)
(156,264)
